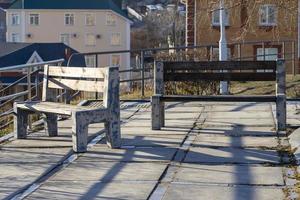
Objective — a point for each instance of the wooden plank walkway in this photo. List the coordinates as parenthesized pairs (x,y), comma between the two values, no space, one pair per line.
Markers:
(206,151)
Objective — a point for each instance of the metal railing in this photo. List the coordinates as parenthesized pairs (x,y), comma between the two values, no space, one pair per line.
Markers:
(140,73)
(32,82)
(286,50)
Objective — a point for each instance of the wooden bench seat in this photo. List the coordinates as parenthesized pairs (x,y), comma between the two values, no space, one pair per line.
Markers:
(52,107)
(105,80)
(187,71)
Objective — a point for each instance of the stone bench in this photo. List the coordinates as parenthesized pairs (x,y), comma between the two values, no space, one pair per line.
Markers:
(165,71)
(103,80)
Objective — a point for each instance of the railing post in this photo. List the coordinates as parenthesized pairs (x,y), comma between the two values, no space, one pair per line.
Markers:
(96,65)
(37,89)
(29,93)
(280,95)
(239,52)
(142,74)
(293,58)
(264,50)
(283,50)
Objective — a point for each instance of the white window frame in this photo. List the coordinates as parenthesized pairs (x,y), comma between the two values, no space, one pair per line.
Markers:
(94,19)
(68,17)
(89,58)
(63,35)
(267,7)
(18,19)
(87,39)
(215,13)
(111,60)
(272,57)
(34,18)
(17,37)
(111,19)
(111,39)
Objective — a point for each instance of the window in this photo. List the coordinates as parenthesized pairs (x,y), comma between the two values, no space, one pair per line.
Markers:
(15,37)
(2,25)
(115,39)
(90,39)
(90,61)
(90,20)
(270,54)
(268,15)
(69,19)
(115,60)
(110,19)
(216,18)
(65,38)
(34,19)
(15,19)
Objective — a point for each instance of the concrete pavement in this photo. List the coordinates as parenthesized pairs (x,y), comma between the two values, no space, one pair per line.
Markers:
(206,151)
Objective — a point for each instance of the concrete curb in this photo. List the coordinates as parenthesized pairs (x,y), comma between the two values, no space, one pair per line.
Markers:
(294,140)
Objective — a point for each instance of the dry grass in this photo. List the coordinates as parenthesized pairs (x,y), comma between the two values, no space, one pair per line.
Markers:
(266,88)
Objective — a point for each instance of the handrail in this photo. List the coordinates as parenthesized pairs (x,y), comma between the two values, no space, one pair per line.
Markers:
(177,48)
(7,97)
(30,65)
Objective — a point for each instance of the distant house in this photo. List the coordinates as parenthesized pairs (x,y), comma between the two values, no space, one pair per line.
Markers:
(3,6)
(84,25)
(12,54)
(247,21)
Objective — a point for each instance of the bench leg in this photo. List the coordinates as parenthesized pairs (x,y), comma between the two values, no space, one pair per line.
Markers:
(20,123)
(50,123)
(113,131)
(79,132)
(158,113)
(281,112)
(162,114)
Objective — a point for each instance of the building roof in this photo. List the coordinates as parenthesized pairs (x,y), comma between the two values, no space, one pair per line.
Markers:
(5,5)
(19,53)
(114,5)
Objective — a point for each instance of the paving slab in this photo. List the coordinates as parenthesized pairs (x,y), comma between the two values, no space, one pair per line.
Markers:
(194,192)
(225,155)
(68,190)
(151,140)
(214,140)
(241,115)
(232,174)
(231,107)
(110,171)
(145,131)
(143,154)
(240,122)
(239,131)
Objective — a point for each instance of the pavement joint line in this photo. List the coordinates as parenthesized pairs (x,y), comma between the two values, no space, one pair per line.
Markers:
(226,184)
(160,188)
(69,158)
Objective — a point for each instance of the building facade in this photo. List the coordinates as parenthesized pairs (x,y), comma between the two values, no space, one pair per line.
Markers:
(4,4)
(85,25)
(255,30)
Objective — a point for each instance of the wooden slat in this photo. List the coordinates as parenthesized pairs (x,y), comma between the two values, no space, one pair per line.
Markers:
(76,72)
(51,107)
(220,65)
(227,76)
(221,98)
(81,85)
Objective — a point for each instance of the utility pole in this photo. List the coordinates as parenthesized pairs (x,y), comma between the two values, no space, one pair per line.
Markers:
(223,46)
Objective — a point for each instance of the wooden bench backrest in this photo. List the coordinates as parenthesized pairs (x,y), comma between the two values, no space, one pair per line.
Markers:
(220,71)
(79,79)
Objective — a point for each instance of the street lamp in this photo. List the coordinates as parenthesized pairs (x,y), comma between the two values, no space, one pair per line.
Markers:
(223,46)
